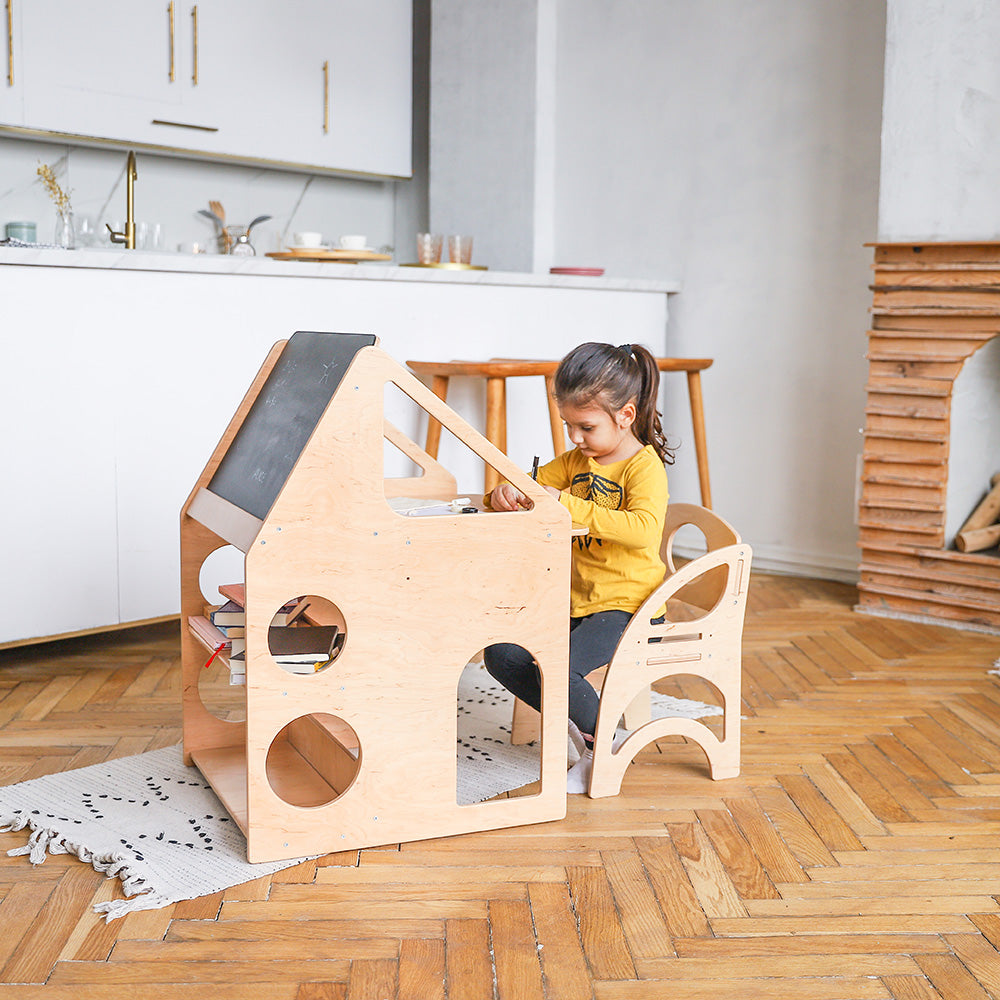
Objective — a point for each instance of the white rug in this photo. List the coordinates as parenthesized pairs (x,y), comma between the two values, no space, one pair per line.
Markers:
(157,825)
(487,762)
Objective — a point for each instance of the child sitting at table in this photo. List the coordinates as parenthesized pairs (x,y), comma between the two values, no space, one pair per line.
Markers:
(614,482)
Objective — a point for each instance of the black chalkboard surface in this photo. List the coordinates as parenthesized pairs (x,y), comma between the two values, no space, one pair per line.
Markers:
(282,417)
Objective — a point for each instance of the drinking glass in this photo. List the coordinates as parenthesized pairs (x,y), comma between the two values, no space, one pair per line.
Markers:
(429,248)
(460,249)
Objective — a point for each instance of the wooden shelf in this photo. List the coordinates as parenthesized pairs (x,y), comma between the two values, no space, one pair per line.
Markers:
(225,769)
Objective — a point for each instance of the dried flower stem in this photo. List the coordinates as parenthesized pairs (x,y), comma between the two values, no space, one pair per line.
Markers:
(59,197)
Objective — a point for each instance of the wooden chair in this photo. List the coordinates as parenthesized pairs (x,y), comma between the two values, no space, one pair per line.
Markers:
(701,635)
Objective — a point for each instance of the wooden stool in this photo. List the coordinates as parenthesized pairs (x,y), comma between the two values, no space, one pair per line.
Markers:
(497,370)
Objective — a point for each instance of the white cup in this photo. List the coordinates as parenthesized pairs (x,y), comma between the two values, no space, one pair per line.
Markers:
(307,239)
(353,242)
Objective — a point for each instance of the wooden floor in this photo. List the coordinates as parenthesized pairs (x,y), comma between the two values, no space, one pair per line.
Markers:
(858,856)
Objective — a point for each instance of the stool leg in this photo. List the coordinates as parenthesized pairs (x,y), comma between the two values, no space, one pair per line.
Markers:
(525,724)
(555,421)
(700,443)
(439,386)
(496,424)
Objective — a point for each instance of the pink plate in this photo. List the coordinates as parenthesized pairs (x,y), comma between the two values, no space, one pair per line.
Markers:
(589,272)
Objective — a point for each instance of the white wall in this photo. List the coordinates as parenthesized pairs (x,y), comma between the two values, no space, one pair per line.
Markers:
(941,130)
(940,150)
(735,146)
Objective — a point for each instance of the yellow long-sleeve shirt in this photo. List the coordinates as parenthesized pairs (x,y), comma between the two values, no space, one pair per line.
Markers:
(617,565)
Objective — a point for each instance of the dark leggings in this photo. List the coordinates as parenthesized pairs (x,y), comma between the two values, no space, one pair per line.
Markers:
(592,642)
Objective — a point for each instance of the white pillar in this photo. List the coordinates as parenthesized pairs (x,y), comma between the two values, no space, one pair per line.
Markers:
(492,119)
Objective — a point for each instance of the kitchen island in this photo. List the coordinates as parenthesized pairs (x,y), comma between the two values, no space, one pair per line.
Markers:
(124,368)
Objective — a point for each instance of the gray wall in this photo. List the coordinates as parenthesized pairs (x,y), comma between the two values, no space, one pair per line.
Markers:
(735,146)
(732,145)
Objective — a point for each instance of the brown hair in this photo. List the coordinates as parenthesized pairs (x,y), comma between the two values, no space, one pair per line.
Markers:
(610,377)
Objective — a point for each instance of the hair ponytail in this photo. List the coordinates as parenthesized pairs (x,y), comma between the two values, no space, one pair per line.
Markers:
(611,377)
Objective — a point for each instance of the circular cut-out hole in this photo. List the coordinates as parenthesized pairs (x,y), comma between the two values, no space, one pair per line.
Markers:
(221,688)
(307,634)
(224,565)
(313,760)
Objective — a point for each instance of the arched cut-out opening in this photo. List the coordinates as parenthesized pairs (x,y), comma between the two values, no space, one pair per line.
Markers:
(687,696)
(974,441)
(489,764)
(313,760)
(697,598)
(307,634)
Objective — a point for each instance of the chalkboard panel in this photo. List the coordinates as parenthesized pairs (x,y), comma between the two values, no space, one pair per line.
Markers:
(282,417)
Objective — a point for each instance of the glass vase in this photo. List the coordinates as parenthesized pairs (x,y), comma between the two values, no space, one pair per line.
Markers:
(65,235)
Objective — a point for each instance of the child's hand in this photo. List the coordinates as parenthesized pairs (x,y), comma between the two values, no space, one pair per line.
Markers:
(507,497)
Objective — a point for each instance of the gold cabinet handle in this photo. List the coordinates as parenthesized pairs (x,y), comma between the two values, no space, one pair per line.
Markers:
(170,16)
(10,43)
(326,97)
(194,30)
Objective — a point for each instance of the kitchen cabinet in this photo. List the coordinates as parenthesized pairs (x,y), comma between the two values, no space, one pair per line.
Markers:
(121,379)
(311,83)
(337,93)
(59,507)
(11,84)
(98,71)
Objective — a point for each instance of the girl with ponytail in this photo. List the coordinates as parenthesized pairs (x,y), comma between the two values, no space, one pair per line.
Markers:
(613,481)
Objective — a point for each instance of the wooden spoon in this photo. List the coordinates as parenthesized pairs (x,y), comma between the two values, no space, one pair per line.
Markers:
(220,213)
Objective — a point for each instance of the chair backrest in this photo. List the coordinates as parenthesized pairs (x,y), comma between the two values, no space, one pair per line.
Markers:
(705,591)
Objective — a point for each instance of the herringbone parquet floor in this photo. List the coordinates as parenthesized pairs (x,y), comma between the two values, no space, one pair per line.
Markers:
(858,855)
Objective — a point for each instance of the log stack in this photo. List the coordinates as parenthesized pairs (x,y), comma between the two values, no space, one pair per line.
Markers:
(981,530)
(934,305)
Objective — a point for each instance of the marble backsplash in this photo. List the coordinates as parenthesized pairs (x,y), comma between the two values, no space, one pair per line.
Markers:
(169,192)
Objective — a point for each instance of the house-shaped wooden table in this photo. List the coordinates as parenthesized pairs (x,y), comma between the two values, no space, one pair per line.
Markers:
(363,751)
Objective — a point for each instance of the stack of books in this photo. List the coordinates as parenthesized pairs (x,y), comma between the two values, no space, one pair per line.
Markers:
(295,644)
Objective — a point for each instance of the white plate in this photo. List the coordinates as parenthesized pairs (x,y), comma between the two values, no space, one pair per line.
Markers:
(322,246)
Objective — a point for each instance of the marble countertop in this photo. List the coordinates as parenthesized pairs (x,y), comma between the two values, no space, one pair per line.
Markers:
(143,260)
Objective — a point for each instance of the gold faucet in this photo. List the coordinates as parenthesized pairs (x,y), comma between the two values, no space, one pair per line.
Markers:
(128,237)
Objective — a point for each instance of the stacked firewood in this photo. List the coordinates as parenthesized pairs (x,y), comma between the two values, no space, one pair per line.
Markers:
(982,528)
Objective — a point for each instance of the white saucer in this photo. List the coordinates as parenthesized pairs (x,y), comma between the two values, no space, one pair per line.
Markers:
(322,246)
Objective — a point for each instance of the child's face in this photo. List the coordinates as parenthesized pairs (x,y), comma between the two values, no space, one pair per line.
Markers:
(602,436)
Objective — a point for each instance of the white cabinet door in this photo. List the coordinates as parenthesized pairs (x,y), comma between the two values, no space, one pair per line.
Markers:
(248,62)
(99,69)
(368,48)
(58,454)
(11,66)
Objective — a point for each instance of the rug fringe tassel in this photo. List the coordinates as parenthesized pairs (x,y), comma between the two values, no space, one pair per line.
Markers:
(115,908)
(44,841)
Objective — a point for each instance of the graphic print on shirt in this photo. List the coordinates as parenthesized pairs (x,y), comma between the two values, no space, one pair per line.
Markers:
(604,492)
